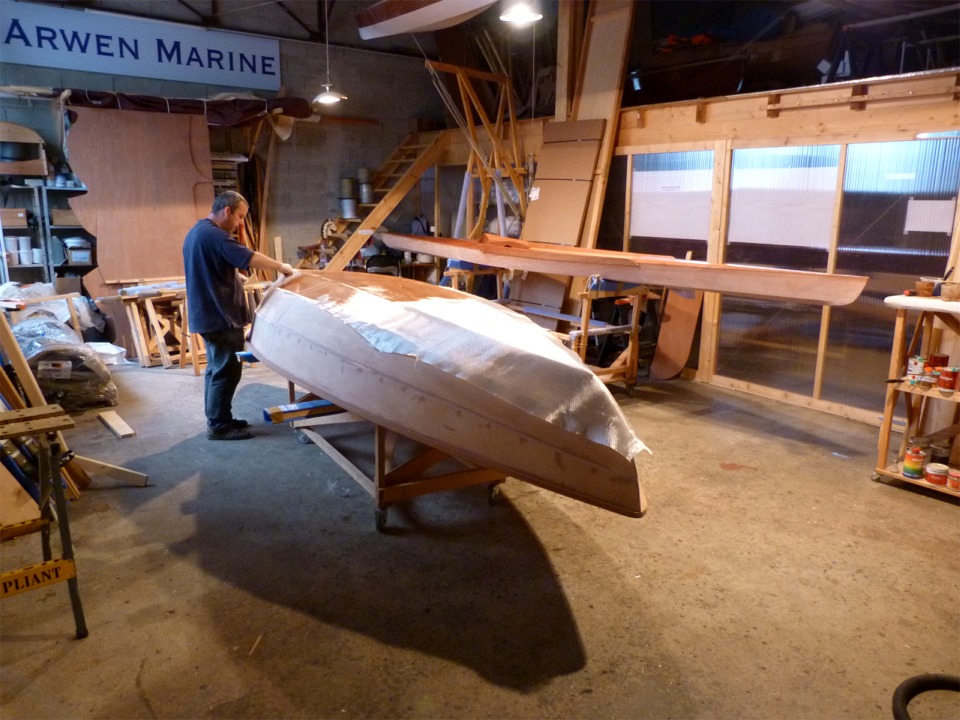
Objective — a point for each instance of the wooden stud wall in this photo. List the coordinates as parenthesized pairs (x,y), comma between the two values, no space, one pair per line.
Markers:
(877,110)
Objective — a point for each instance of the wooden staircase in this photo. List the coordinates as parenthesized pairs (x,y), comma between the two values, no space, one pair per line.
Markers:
(395,178)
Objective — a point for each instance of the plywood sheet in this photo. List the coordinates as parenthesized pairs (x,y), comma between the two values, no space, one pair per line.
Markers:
(149,179)
(571,160)
(601,80)
(556,215)
(681,313)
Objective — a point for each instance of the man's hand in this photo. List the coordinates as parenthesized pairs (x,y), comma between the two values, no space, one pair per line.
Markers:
(285,269)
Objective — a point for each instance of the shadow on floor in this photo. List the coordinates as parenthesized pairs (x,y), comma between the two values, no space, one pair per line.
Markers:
(454,577)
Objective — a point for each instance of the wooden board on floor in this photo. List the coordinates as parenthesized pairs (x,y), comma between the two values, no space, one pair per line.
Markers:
(681,313)
(116,424)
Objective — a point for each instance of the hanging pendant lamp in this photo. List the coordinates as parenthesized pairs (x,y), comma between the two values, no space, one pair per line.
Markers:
(328,96)
(520,12)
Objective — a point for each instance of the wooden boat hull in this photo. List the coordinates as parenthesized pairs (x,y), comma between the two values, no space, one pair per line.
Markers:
(654,270)
(347,337)
(394,17)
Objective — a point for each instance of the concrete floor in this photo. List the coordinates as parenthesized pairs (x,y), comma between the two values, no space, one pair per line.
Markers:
(771,578)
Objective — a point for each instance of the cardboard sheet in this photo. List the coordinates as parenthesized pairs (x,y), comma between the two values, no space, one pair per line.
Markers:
(571,160)
(556,215)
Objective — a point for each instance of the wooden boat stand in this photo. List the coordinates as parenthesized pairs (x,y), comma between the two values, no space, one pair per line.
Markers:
(43,423)
(393,481)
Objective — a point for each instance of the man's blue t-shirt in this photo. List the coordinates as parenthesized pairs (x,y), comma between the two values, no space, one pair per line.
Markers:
(215,298)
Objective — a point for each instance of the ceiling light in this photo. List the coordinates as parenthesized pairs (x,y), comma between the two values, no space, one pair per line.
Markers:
(520,13)
(328,96)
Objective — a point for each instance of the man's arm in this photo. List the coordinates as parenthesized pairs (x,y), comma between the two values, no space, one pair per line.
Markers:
(259,261)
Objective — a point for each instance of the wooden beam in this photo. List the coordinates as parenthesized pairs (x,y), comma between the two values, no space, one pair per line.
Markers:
(892,108)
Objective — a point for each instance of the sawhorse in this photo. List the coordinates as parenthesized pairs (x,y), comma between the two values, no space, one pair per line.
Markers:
(43,423)
(426,470)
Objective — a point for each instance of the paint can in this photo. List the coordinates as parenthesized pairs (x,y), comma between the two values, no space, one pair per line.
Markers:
(924,287)
(36,255)
(950,291)
(348,207)
(939,359)
(913,462)
(936,473)
(366,193)
(940,451)
(947,381)
(953,479)
(363,175)
(348,188)
(915,365)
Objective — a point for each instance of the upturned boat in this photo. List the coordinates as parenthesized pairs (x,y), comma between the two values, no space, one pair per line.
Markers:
(457,373)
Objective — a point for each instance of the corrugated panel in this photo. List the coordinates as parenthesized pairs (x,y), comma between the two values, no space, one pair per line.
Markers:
(781,206)
(896,199)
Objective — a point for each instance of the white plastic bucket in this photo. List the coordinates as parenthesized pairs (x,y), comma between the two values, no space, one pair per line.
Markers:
(24,257)
(37,256)
(11,243)
(23,244)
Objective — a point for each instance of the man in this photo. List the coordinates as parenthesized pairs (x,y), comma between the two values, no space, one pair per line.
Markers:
(217,308)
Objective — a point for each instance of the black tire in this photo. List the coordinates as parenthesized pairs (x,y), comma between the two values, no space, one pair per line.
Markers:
(911,687)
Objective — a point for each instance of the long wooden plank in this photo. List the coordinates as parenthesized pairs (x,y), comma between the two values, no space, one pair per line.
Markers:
(655,270)
(600,95)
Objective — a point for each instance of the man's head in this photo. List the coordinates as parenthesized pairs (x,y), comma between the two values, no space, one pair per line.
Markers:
(229,210)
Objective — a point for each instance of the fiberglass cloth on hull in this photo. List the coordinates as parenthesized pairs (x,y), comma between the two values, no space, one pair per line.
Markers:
(500,351)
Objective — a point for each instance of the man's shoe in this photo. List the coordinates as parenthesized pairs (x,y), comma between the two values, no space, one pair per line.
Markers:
(239,424)
(229,433)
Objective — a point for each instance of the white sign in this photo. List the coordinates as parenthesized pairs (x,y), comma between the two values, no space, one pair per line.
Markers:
(671,204)
(929,216)
(49,36)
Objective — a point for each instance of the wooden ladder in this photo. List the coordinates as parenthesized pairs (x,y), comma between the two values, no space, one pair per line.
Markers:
(395,178)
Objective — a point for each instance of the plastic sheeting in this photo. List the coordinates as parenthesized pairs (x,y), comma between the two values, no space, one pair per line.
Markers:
(68,372)
(498,350)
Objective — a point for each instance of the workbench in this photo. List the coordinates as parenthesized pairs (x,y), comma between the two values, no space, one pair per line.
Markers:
(925,340)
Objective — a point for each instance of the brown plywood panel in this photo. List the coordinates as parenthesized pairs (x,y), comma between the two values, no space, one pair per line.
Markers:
(149,179)
(556,215)
(573,160)
(600,90)
(573,130)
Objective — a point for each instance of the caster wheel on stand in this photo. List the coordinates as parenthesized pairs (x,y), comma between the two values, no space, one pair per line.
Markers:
(380,519)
